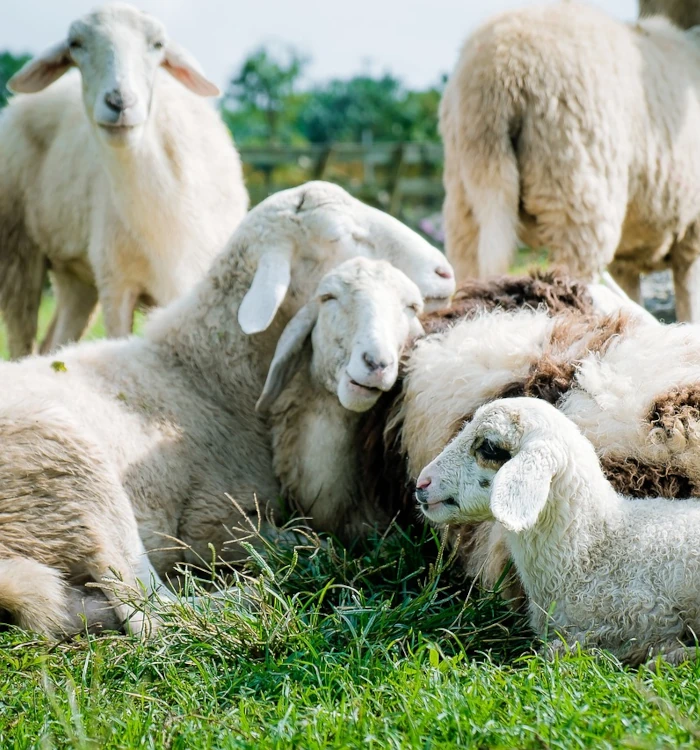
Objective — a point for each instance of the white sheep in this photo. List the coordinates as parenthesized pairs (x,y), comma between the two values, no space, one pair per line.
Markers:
(598,568)
(122,181)
(566,129)
(172,414)
(360,321)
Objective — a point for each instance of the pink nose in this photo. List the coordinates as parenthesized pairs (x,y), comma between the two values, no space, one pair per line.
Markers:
(423,484)
(443,273)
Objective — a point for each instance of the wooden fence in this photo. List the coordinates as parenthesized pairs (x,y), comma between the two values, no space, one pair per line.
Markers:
(404,179)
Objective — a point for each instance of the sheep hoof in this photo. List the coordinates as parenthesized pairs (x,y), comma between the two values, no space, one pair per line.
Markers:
(673,657)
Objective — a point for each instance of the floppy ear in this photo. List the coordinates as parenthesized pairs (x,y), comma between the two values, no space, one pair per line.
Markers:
(182,65)
(41,71)
(288,354)
(521,487)
(267,292)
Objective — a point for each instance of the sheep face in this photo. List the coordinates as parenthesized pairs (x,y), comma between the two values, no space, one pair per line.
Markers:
(363,316)
(118,50)
(305,232)
(500,466)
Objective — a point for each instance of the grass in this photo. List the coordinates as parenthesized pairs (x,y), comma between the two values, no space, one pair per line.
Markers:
(384,647)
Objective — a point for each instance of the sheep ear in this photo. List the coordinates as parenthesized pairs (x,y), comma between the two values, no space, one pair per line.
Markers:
(41,71)
(182,65)
(521,487)
(267,292)
(288,354)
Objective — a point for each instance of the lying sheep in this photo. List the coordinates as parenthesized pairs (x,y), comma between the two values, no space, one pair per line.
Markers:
(123,182)
(684,13)
(333,362)
(566,129)
(598,568)
(173,413)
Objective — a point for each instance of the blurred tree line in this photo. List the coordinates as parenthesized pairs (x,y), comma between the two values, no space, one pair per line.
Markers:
(266,104)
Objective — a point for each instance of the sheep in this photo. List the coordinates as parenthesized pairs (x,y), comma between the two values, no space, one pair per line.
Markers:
(333,362)
(684,13)
(598,568)
(122,181)
(566,129)
(173,413)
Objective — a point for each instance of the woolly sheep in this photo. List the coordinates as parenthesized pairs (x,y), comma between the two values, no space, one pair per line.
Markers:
(122,181)
(335,359)
(566,129)
(173,413)
(598,568)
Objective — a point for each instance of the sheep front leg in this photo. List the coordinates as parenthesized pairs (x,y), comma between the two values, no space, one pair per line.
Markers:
(685,262)
(118,308)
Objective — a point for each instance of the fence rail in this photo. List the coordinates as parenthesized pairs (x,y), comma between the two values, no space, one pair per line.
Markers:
(404,179)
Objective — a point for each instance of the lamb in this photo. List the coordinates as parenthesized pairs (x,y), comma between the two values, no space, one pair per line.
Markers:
(172,414)
(363,316)
(123,182)
(527,157)
(684,13)
(599,569)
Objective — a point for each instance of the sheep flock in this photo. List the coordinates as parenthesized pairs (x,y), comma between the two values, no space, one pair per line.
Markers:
(315,358)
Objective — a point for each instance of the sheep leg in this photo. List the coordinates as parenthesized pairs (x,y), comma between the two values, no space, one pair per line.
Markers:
(685,262)
(461,229)
(20,297)
(118,309)
(75,304)
(629,281)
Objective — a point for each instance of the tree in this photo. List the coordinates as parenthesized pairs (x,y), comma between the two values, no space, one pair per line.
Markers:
(262,90)
(9,65)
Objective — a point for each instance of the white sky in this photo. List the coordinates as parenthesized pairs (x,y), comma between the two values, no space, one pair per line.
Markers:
(416,40)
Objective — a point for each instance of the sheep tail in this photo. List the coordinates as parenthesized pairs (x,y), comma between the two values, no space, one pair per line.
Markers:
(490,173)
(34,594)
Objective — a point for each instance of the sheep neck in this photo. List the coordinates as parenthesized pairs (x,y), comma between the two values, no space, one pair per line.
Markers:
(200,332)
(577,516)
(147,182)
(314,447)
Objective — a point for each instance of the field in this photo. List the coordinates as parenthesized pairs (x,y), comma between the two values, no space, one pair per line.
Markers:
(380,647)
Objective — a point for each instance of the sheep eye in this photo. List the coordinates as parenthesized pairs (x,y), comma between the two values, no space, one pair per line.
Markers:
(493,454)
(414,308)
(158,45)
(327,297)
(75,44)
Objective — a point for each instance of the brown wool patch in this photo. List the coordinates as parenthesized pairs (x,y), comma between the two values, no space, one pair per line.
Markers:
(551,290)
(635,478)
(678,404)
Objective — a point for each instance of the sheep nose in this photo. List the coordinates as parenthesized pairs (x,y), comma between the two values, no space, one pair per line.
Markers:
(443,273)
(118,100)
(423,484)
(373,364)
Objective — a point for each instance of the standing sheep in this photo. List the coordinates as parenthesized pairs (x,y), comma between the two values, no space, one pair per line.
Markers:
(123,181)
(566,129)
(598,568)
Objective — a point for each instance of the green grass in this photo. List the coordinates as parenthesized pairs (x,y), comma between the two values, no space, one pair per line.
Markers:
(384,648)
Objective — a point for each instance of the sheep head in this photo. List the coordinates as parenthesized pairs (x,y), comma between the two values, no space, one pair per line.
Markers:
(502,464)
(118,50)
(363,316)
(302,233)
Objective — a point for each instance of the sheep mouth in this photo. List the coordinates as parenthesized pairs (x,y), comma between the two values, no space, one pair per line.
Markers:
(365,388)
(428,505)
(433,304)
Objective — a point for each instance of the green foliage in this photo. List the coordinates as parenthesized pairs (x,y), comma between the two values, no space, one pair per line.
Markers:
(9,65)
(265,104)
(376,649)
(258,97)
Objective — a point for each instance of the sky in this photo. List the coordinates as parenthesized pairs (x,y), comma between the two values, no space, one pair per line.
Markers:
(416,40)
